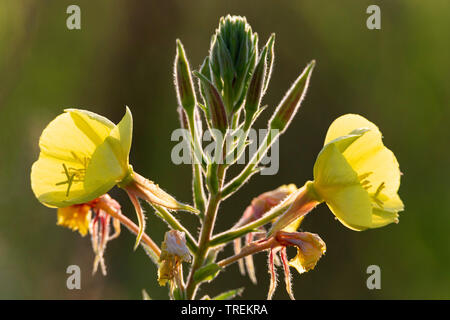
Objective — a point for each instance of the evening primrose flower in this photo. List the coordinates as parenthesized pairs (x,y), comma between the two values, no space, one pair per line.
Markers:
(355,175)
(93,217)
(83,155)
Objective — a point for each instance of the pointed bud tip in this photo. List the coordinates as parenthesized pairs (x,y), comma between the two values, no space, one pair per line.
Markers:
(180,46)
(127,110)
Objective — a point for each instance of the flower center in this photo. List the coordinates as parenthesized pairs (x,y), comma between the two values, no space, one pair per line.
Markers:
(365,183)
(74,174)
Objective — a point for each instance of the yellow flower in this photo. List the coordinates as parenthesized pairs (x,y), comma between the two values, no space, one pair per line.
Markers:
(83,155)
(76,218)
(357,176)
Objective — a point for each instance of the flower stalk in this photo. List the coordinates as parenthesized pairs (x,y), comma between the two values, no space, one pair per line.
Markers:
(130,225)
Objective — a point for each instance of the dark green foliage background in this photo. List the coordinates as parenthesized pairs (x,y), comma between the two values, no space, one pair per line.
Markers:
(397,77)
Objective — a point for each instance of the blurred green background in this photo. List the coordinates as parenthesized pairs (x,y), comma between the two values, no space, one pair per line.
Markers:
(397,77)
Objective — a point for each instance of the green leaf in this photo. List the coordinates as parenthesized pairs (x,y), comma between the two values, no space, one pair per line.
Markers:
(207,273)
(228,295)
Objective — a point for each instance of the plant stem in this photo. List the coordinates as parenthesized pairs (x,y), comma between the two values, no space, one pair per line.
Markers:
(295,206)
(133,228)
(205,234)
(249,250)
(197,165)
(250,169)
(232,234)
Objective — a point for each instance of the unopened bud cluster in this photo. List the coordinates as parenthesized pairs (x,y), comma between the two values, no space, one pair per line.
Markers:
(234,77)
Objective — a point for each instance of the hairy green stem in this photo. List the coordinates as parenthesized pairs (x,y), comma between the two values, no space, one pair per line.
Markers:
(198,161)
(249,250)
(205,235)
(251,167)
(225,237)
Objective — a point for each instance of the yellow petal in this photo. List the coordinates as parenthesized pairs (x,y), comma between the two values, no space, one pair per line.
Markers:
(338,185)
(392,204)
(64,136)
(332,170)
(104,170)
(345,124)
(382,165)
(351,205)
(368,154)
(310,248)
(47,182)
(94,126)
(382,218)
(122,134)
(109,164)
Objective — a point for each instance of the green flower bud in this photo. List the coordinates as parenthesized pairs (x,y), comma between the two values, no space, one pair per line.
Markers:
(183,81)
(258,83)
(270,59)
(288,107)
(214,104)
(232,59)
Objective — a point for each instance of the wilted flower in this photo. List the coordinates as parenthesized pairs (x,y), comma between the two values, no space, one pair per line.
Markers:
(93,217)
(258,207)
(173,252)
(75,217)
(310,248)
